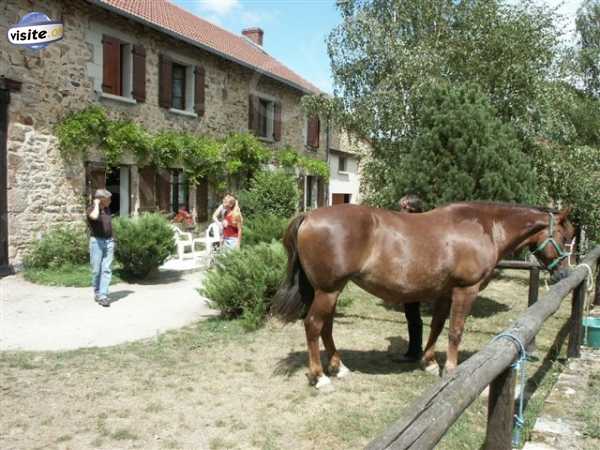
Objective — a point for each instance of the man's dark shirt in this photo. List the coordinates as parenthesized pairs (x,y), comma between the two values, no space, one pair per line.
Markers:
(101,227)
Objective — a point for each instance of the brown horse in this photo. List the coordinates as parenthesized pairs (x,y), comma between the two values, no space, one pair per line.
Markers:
(444,256)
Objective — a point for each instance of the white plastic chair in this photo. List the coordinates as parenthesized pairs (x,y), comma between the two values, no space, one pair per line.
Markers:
(183,240)
(211,241)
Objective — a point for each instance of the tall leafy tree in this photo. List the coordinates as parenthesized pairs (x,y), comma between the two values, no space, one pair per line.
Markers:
(588,29)
(567,154)
(386,54)
(463,151)
(386,51)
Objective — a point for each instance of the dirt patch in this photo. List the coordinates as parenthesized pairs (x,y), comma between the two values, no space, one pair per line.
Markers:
(213,386)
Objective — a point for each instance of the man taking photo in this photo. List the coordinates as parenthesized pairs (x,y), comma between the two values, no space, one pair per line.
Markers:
(101,245)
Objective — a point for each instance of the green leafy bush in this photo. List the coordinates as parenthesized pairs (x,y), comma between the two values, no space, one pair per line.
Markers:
(143,243)
(64,245)
(270,193)
(462,151)
(264,229)
(242,282)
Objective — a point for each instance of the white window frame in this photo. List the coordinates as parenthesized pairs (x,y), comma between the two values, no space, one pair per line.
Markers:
(95,68)
(127,70)
(305,131)
(190,84)
(345,169)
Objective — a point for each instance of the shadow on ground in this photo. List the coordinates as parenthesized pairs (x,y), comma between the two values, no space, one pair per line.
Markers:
(162,277)
(119,295)
(373,362)
(482,307)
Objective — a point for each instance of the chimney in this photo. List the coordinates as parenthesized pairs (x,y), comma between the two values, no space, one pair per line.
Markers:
(255,34)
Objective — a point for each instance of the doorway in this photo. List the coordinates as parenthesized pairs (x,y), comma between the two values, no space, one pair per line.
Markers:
(118,184)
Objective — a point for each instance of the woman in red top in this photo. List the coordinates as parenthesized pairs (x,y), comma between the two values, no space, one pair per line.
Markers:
(232,222)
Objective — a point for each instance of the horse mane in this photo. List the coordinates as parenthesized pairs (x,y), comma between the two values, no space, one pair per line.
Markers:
(545,209)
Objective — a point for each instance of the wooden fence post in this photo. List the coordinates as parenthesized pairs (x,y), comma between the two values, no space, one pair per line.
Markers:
(501,409)
(575,335)
(534,289)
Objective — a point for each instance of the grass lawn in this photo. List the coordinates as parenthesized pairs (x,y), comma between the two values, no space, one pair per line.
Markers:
(68,275)
(212,385)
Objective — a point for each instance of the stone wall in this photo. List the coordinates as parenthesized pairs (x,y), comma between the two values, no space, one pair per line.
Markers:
(44,190)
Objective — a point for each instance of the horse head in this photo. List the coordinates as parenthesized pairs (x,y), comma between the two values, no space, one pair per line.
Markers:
(554,244)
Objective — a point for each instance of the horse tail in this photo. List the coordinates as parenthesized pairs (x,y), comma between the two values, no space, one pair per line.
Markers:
(296,294)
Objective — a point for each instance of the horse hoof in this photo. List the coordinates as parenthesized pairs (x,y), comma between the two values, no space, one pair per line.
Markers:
(448,372)
(343,371)
(433,369)
(324,384)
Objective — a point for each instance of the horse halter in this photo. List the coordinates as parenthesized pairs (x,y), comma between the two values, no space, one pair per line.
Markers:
(550,240)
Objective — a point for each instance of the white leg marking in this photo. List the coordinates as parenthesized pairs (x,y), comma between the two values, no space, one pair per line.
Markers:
(343,371)
(433,369)
(324,383)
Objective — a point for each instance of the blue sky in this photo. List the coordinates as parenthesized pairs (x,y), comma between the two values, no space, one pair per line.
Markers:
(295,30)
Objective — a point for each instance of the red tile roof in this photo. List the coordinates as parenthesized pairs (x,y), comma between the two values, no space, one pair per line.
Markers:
(173,20)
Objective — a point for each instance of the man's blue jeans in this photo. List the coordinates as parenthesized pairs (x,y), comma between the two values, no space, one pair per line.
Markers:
(101,257)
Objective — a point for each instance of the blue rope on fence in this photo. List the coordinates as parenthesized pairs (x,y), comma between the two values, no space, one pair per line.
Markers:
(519,364)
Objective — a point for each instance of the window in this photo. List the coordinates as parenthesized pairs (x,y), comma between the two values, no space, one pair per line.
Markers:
(264,118)
(179,191)
(181,87)
(341,164)
(123,69)
(313,130)
(178,99)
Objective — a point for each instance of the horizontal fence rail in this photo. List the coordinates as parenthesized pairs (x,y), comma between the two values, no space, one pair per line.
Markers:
(427,420)
(510,264)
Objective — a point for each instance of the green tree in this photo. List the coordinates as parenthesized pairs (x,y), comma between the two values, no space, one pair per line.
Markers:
(567,152)
(464,152)
(588,29)
(270,193)
(570,175)
(386,54)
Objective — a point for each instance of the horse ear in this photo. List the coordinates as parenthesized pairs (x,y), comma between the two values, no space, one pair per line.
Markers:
(564,213)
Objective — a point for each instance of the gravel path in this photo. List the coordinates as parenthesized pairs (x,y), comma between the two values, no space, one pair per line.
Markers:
(34,317)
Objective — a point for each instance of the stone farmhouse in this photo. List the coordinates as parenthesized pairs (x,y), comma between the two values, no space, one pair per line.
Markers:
(162,67)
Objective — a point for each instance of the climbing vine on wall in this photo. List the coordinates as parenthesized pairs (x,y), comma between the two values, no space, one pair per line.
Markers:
(290,158)
(240,154)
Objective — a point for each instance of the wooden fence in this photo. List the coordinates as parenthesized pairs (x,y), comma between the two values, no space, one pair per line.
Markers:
(427,420)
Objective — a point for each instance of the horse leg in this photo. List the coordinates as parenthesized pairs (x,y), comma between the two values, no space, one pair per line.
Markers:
(320,313)
(336,367)
(441,309)
(462,300)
